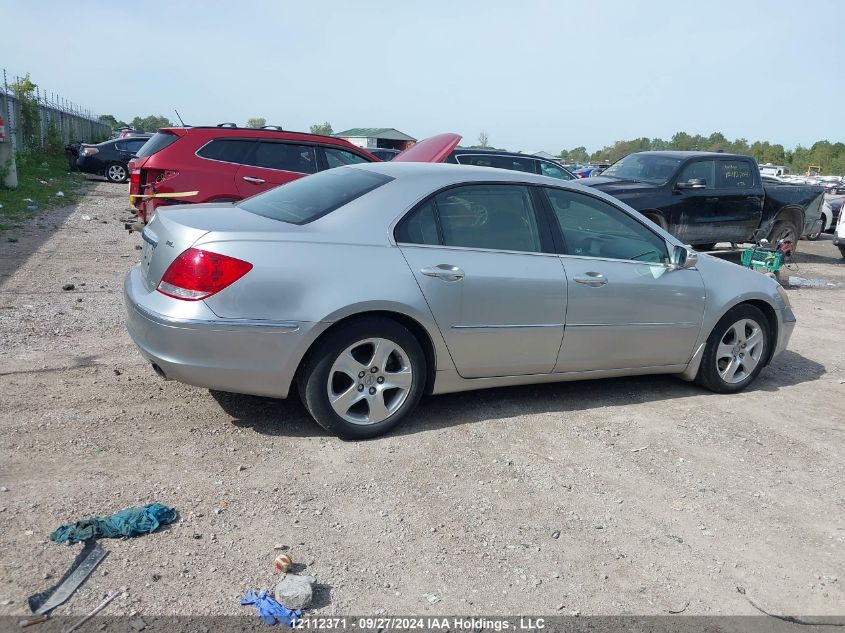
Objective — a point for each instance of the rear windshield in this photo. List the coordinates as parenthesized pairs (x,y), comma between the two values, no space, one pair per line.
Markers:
(157,142)
(306,199)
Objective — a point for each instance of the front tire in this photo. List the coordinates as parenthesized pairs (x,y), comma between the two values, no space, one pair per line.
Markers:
(736,350)
(116,173)
(364,378)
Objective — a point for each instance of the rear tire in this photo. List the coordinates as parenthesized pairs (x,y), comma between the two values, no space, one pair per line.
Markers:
(785,229)
(116,173)
(842,251)
(343,393)
(736,350)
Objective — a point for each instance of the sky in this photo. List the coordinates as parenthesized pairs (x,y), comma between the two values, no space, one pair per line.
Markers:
(534,75)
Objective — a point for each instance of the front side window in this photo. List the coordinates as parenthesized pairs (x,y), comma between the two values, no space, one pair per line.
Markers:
(654,169)
(595,228)
(734,174)
(285,157)
(497,217)
(228,150)
(339,157)
(701,169)
(552,170)
(306,199)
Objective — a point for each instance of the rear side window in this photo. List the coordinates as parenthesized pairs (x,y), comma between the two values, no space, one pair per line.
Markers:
(156,143)
(734,174)
(285,157)
(306,199)
(513,163)
(339,157)
(497,217)
(420,227)
(131,146)
(228,150)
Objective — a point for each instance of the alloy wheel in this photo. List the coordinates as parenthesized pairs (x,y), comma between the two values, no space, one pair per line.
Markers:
(740,351)
(116,173)
(369,381)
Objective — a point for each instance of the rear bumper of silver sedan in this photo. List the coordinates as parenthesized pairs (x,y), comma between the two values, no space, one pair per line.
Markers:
(186,341)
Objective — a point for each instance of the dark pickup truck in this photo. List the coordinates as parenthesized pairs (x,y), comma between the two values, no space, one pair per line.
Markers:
(704,197)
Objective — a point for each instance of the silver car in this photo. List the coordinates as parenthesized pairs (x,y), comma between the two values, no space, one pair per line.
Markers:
(369,285)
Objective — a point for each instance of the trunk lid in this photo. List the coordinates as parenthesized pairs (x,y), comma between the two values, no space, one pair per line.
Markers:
(175,229)
(434,149)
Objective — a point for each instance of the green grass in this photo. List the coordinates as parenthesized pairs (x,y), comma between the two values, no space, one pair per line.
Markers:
(34,170)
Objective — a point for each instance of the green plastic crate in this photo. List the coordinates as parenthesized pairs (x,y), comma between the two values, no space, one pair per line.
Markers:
(762,259)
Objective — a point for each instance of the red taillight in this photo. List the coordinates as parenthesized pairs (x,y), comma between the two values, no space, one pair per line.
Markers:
(89,151)
(134,176)
(197,274)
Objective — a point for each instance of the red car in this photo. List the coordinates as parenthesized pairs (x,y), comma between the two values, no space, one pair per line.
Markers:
(180,165)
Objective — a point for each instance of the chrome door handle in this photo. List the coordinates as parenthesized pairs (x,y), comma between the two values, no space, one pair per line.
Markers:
(592,279)
(257,181)
(446,272)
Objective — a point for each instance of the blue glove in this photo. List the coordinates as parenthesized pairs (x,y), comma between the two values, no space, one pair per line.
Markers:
(271,611)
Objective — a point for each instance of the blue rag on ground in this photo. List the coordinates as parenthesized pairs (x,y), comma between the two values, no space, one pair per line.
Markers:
(127,522)
(271,611)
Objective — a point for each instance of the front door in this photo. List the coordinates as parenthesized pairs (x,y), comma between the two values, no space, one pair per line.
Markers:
(693,214)
(478,255)
(627,308)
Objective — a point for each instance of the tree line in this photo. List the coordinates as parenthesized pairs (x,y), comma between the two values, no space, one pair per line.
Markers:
(829,156)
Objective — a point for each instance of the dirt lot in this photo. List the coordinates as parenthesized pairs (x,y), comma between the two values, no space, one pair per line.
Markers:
(642,495)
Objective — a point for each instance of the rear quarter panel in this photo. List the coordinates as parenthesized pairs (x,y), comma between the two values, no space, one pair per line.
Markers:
(318,282)
(806,198)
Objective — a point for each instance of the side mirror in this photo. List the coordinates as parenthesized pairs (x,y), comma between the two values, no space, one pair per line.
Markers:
(692,183)
(684,257)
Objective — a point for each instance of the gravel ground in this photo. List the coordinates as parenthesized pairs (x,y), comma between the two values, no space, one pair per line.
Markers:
(644,495)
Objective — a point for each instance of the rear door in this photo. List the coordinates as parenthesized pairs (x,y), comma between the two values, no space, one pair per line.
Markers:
(627,308)
(482,259)
(739,199)
(274,163)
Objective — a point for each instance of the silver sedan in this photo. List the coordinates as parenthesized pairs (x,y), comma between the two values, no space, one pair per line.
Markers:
(369,285)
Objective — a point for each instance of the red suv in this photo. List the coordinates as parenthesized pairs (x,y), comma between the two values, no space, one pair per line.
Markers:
(226,163)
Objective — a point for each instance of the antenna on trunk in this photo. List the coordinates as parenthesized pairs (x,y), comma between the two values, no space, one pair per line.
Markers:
(179,117)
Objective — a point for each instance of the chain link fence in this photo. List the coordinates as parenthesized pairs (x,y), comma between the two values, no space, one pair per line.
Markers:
(70,121)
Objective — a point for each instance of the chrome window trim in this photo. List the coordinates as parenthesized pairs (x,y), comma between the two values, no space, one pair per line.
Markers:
(624,261)
(479,250)
(506,326)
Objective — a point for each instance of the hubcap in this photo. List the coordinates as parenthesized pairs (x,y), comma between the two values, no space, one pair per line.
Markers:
(369,381)
(116,172)
(740,351)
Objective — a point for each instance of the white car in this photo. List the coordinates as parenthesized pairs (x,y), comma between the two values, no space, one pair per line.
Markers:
(827,222)
(839,234)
